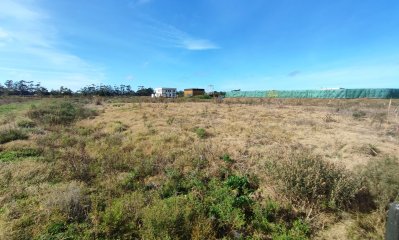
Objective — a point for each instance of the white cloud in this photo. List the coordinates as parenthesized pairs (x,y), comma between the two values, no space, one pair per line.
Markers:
(29,49)
(130,78)
(198,44)
(3,34)
(166,35)
(17,9)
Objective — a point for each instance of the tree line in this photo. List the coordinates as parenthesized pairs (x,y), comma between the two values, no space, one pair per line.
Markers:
(31,88)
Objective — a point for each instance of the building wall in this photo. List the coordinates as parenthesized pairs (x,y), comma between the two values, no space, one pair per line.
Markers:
(166,92)
(193,92)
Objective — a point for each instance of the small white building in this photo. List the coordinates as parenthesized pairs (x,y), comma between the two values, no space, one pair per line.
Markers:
(165,92)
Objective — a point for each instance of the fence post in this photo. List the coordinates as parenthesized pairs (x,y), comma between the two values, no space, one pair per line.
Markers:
(392,227)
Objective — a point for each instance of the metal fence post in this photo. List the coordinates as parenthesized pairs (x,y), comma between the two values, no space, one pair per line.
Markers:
(392,227)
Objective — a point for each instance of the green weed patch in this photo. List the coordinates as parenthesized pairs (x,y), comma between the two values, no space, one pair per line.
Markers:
(15,155)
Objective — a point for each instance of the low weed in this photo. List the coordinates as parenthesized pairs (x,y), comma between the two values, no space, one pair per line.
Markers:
(226,158)
(379,119)
(14,155)
(120,127)
(201,133)
(170,120)
(359,115)
(26,123)
(370,149)
(329,118)
(8,135)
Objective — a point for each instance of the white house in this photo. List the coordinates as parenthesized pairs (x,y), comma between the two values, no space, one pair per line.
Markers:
(165,92)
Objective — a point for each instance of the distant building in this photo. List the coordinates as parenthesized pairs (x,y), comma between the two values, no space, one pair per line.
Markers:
(165,92)
(190,92)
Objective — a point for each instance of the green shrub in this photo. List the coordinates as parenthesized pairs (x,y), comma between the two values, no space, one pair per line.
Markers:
(134,181)
(230,203)
(170,218)
(299,231)
(201,133)
(174,185)
(222,206)
(59,113)
(121,219)
(227,158)
(26,123)
(9,135)
(120,127)
(58,230)
(308,179)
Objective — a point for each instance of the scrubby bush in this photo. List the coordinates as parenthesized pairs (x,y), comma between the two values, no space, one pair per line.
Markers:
(382,178)
(26,123)
(222,206)
(69,200)
(309,179)
(76,165)
(59,113)
(170,218)
(121,218)
(12,134)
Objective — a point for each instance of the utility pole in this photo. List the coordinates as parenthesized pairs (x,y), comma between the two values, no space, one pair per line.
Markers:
(211,89)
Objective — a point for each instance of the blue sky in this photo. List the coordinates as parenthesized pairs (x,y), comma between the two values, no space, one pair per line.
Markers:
(231,44)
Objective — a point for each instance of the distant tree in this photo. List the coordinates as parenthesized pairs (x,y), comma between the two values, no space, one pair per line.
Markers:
(180,93)
(65,91)
(129,90)
(144,92)
(41,91)
(9,84)
(22,87)
(2,90)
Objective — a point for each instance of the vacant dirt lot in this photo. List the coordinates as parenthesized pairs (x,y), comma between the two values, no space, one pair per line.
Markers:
(262,168)
(251,132)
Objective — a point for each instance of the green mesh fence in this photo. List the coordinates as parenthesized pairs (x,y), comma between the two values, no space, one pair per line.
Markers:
(336,93)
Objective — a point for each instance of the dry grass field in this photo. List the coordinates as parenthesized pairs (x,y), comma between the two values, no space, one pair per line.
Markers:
(237,169)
